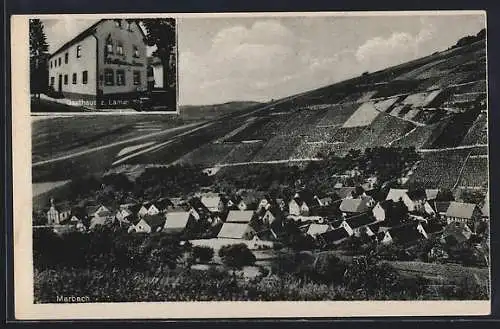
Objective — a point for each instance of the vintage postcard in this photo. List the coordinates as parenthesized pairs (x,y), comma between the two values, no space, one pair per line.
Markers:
(251,165)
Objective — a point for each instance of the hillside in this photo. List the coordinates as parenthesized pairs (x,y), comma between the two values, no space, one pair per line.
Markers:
(436,104)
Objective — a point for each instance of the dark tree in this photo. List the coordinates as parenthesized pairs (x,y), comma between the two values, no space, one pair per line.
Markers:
(162,34)
(38,58)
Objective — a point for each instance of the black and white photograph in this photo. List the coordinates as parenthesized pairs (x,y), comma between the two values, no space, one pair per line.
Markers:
(313,158)
(81,65)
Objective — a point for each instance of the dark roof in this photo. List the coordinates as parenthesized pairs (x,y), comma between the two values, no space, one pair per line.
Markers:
(163,203)
(405,233)
(267,235)
(198,206)
(307,197)
(333,235)
(85,33)
(359,221)
(441,207)
(418,194)
(154,221)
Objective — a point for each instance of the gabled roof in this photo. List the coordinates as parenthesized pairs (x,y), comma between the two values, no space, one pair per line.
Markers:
(396,194)
(154,221)
(240,216)
(334,235)
(461,210)
(442,207)
(85,33)
(211,201)
(354,206)
(431,194)
(177,220)
(359,221)
(234,230)
(418,194)
(405,233)
(315,229)
(163,203)
(307,197)
(97,221)
(267,235)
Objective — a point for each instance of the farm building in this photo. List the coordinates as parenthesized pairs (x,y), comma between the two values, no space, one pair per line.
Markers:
(236,231)
(361,224)
(178,221)
(103,66)
(462,212)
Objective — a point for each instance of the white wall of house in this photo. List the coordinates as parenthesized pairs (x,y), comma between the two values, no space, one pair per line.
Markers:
(86,62)
(158,75)
(378,213)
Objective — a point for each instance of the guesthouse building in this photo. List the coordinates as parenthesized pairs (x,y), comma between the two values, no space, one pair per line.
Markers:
(105,66)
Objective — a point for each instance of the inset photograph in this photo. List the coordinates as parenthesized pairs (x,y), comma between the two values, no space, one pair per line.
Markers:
(103,65)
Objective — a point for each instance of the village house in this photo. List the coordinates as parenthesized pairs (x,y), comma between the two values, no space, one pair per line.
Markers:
(334,237)
(415,201)
(271,215)
(214,203)
(178,222)
(403,234)
(57,213)
(104,66)
(468,213)
(242,231)
(315,229)
(248,202)
(198,209)
(390,211)
(240,216)
(150,224)
(302,203)
(351,207)
(361,224)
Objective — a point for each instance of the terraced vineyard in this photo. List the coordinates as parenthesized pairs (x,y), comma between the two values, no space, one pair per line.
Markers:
(475,173)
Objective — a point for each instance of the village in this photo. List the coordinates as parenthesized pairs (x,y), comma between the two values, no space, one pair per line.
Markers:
(307,221)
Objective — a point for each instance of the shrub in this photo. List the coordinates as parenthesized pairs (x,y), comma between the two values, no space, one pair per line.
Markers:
(236,255)
(202,254)
(329,268)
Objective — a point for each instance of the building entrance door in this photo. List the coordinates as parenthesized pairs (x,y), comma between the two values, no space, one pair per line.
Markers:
(59,84)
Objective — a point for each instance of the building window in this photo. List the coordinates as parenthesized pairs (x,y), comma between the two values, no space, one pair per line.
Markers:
(109,46)
(137,77)
(120,77)
(136,51)
(66,58)
(59,61)
(119,48)
(78,51)
(109,77)
(74,78)
(85,77)
(65,79)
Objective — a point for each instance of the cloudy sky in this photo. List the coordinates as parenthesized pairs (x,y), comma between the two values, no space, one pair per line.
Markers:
(234,58)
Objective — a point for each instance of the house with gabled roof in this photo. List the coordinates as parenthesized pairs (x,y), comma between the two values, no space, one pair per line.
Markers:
(350,207)
(150,224)
(346,192)
(316,229)
(462,212)
(334,237)
(361,224)
(198,209)
(302,203)
(390,211)
(178,222)
(240,216)
(415,201)
(404,234)
(271,215)
(241,231)
(214,203)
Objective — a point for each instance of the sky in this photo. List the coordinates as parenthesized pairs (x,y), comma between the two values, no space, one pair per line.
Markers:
(226,58)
